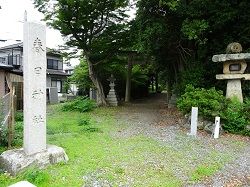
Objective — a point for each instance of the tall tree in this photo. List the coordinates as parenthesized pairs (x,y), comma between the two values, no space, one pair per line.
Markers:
(183,35)
(93,26)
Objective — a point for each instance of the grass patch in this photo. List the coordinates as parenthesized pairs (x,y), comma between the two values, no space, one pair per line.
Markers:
(95,154)
(204,171)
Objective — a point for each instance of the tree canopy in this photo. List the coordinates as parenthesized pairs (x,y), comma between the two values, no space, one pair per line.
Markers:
(184,34)
(178,36)
(97,28)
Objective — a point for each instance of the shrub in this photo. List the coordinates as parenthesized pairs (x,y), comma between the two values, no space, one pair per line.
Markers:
(210,102)
(234,115)
(235,120)
(81,104)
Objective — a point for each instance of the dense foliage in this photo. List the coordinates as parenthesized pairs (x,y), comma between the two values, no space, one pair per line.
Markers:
(234,115)
(209,101)
(183,36)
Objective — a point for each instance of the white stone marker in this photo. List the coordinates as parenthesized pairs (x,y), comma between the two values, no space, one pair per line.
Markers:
(217,127)
(194,121)
(22,184)
(35,151)
(34,73)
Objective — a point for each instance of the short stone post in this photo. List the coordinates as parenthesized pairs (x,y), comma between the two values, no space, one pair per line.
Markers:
(194,121)
(217,127)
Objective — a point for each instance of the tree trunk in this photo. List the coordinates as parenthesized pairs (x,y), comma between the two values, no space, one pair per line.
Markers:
(156,83)
(152,83)
(101,100)
(128,81)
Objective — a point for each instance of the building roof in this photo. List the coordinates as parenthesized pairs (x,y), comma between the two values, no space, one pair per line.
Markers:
(69,68)
(56,72)
(20,46)
(17,45)
(4,66)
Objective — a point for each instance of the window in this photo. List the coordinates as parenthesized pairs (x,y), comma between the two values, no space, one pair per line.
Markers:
(60,65)
(58,84)
(2,60)
(54,64)
(50,64)
(14,60)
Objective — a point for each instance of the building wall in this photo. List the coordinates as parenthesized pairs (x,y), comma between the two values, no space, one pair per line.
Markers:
(48,81)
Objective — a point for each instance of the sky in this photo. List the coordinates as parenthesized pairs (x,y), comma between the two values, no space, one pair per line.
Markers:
(11,22)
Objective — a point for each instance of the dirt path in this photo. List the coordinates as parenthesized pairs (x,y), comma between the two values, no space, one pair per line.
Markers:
(151,118)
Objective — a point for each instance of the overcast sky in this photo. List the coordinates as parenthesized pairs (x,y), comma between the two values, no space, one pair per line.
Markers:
(11,26)
(11,23)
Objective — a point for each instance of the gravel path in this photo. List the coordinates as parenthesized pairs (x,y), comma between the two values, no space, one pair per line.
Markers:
(152,118)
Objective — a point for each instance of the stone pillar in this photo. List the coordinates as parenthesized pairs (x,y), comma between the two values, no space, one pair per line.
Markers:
(234,89)
(34,73)
(194,121)
(34,153)
(217,127)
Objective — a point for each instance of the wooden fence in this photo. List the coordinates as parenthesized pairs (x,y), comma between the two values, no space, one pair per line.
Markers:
(6,109)
(8,113)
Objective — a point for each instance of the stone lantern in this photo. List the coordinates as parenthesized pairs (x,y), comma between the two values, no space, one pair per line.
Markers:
(111,97)
(234,66)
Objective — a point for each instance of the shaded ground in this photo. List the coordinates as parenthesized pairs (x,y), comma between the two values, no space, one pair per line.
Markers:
(151,118)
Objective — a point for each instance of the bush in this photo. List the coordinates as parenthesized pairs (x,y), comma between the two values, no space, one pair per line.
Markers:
(81,104)
(235,120)
(210,102)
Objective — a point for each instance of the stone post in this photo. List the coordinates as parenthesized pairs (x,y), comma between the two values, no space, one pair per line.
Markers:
(34,73)
(217,127)
(194,121)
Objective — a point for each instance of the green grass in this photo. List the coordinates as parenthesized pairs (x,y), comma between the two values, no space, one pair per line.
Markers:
(203,171)
(95,152)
